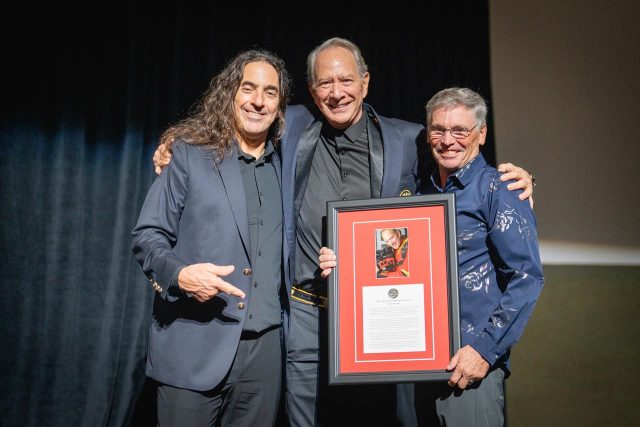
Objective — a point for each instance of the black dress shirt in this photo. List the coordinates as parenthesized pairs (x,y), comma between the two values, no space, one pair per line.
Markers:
(339,171)
(264,211)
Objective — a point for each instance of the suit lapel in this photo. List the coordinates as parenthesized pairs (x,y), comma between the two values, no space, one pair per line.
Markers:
(229,171)
(305,150)
(392,158)
(285,247)
(275,159)
(376,157)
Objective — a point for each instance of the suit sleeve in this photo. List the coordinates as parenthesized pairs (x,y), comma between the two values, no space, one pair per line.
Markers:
(513,245)
(156,232)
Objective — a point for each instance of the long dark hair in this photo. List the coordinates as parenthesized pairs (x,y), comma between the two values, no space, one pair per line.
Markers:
(213,123)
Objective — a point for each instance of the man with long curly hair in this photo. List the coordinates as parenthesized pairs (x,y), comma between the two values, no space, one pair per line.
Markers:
(210,239)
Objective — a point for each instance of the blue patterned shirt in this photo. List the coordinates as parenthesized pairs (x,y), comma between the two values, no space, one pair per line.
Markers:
(499,268)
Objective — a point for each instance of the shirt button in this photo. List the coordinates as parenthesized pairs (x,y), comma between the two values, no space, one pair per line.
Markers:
(261,222)
(345,174)
(240,306)
(246,271)
(255,285)
(251,316)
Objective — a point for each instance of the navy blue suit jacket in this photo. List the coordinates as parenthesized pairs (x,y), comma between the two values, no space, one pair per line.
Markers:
(397,165)
(195,212)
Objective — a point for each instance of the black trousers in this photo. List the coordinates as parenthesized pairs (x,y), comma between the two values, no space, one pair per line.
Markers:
(481,405)
(310,400)
(247,397)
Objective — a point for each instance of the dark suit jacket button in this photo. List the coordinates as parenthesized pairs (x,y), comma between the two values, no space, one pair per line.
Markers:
(246,271)
(240,306)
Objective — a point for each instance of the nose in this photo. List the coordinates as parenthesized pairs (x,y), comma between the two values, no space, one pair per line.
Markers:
(448,138)
(258,99)
(336,90)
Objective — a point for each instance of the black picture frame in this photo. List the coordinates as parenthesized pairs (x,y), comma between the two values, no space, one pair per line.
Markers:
(337,211)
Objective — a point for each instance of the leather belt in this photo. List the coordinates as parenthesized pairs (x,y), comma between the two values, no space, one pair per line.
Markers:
(307,297)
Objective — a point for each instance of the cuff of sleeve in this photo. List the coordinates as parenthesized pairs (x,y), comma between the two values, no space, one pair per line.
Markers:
(169,278)
(173,289)
(487,348)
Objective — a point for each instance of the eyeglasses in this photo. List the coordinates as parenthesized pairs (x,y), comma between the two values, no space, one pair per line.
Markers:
(456,133)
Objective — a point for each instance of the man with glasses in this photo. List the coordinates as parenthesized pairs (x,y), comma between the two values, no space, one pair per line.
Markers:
(500,273)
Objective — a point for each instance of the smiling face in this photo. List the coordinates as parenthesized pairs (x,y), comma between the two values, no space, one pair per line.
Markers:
(338,89)
(391,238)
(256,103)
(450,153)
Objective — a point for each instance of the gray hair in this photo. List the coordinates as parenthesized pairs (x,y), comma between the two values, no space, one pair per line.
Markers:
(458,97)
(334,42)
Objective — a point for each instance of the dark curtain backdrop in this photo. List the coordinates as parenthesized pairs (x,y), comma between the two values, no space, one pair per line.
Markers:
(86,95)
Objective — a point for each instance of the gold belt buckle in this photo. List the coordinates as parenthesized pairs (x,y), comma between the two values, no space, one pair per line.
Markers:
(308,298)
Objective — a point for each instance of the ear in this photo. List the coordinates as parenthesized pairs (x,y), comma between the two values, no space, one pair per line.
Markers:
(314,96)
(365,84)
(483,134)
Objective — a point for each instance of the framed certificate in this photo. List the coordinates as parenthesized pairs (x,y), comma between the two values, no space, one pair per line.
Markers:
(393,296)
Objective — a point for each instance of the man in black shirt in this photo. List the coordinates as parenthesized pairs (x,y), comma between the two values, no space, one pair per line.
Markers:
(209,237)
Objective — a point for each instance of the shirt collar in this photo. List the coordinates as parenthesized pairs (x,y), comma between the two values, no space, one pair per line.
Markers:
(266,155)
(351,133)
